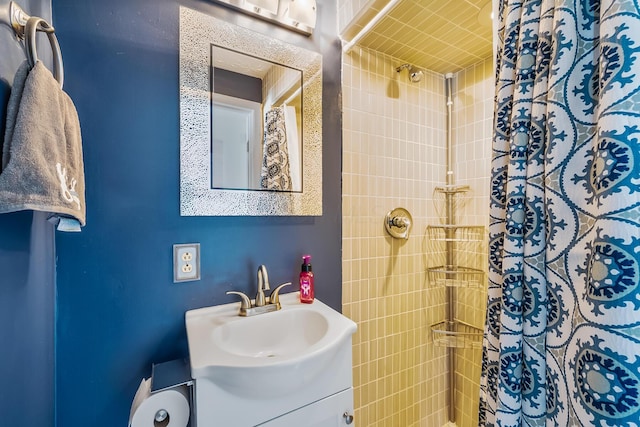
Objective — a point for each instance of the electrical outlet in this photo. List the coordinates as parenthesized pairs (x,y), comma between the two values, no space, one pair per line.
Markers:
(186,262)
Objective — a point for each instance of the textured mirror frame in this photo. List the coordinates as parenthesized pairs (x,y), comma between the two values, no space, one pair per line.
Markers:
(198,32)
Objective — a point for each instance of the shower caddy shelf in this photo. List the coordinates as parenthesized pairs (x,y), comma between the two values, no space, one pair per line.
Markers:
(459,277)
(469,242)
(456,334)
(465,242)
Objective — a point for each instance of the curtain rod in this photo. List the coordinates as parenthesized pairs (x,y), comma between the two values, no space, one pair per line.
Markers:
(349,45)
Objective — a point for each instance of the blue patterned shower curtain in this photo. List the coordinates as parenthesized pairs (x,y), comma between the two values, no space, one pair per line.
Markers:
(275,154)
(562,341)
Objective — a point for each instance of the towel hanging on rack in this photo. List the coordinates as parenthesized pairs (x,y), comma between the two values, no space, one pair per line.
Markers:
(42,165)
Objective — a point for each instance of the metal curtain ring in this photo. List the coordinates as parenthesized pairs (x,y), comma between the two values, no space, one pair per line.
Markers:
(34,24)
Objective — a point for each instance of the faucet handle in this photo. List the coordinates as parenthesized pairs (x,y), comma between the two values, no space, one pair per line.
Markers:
(245,304)
(274,298)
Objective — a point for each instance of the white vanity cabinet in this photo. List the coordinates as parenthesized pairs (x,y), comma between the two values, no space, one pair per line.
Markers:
(316,398)
(287,368)
(332,411)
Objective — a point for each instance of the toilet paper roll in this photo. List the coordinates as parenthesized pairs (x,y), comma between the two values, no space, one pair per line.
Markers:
(167,408)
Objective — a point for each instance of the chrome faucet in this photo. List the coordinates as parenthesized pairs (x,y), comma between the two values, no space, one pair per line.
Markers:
(262,303)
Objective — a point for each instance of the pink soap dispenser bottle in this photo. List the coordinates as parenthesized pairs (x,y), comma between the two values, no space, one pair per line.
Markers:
(306,281)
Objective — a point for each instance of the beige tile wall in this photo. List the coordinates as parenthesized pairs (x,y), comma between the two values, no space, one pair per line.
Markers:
(473,90)
(394,155)
(471,131)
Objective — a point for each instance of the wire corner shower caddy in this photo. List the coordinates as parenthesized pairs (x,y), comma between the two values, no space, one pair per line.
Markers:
(458,252)
(455,264)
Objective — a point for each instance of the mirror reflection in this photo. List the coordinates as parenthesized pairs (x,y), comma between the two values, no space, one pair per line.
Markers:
(223,172)
(256,123)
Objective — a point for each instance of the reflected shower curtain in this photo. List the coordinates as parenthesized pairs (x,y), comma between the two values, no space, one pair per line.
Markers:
(562,340)
(275,161)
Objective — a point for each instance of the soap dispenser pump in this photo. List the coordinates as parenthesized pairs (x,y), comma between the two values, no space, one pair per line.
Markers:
(307,293)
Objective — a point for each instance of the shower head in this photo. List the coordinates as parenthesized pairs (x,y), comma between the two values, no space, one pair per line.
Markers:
(415,74)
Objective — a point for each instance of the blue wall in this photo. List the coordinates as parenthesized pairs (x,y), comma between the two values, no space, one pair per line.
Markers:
(26,279)
(117,308)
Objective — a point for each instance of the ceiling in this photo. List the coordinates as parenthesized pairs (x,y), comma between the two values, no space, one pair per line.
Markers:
(439,35)
(237,62)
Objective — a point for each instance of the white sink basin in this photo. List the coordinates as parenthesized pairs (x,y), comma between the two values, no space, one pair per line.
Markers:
(284,335)
(274,353)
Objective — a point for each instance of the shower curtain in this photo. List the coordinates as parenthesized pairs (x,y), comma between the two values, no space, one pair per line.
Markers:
(275,173)
(562,338)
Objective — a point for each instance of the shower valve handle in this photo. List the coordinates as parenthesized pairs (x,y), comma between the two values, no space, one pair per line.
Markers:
(400,221)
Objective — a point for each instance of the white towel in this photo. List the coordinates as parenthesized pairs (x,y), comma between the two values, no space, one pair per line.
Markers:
(42,167)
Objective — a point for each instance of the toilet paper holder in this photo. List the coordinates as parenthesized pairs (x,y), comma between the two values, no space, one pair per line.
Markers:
(172,374)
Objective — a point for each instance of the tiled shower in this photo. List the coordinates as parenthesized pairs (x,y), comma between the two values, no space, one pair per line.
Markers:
(394,154)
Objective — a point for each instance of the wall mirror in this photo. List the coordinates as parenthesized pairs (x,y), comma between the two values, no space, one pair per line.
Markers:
(250,122)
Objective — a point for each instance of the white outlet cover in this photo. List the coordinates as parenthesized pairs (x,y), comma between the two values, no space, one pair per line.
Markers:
(186,262)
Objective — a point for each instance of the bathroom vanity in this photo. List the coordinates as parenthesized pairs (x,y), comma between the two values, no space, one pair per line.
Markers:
(290,367)
(328,412)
